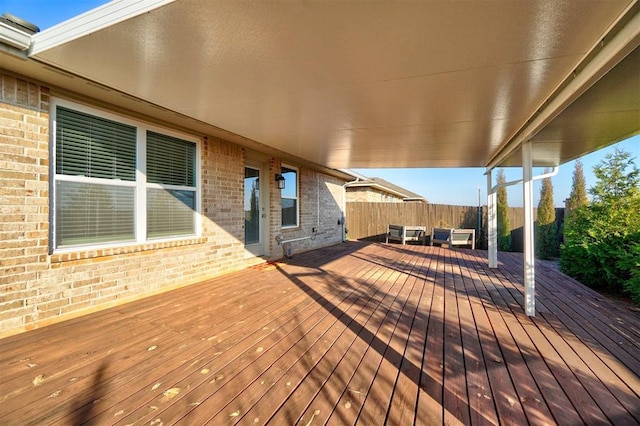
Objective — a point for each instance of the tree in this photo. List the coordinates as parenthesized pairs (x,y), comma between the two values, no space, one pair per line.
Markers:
(578,196)
(546,235)
(502,211)
(615,186)
(602,248)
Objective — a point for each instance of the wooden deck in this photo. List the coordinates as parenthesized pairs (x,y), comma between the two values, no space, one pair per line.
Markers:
(357,333)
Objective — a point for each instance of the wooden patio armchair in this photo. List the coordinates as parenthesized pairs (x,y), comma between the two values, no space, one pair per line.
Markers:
(454,237)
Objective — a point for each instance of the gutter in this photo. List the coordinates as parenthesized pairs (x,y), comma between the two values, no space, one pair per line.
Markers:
(344,207)
(14,38)
(15,32)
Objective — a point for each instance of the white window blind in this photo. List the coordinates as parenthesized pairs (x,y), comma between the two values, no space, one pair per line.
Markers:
(169,212)
(94,147)
(170,161)
(171,164)
(90,213)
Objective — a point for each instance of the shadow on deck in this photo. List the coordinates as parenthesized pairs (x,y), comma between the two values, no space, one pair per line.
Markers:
(356,333)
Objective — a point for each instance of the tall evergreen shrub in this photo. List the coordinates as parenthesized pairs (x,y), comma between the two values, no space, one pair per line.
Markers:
(502,212)
(546,231)
(602,247)
(578,196)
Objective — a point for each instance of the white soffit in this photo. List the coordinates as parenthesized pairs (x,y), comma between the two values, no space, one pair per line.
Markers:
(350,84)
(608,112)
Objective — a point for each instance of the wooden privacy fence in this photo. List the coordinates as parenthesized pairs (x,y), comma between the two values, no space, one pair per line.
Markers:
(370,220)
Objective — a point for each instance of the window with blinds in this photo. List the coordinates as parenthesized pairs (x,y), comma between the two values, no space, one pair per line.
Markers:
(94,147)
(169,212)
(89,213)
(171,166)
(170,161)
(98,184)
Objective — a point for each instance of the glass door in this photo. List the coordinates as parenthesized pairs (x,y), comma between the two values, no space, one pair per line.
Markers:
(252,211)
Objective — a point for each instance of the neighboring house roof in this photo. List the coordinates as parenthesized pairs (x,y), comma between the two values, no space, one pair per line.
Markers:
(387,186)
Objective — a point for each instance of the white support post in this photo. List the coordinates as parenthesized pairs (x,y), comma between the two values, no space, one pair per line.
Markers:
(529,243)
(492,223)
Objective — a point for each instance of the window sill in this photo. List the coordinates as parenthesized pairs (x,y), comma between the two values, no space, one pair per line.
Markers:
(290,228)
(93,253)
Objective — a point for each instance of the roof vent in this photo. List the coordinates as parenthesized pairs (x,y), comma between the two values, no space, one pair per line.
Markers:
(19,24)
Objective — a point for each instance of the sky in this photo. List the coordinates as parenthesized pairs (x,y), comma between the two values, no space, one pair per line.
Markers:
(460,186)
(441,186)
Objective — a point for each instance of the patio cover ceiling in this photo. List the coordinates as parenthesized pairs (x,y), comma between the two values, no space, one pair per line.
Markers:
(373,84)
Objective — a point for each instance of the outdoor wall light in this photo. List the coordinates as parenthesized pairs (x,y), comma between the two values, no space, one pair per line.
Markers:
(280,181)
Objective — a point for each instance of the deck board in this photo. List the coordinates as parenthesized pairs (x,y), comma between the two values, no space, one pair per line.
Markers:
(294,376)
(455,398)
(357,333)
(405,391)
(481,404)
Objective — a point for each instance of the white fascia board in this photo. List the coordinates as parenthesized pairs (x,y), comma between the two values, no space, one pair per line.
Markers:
(91,21)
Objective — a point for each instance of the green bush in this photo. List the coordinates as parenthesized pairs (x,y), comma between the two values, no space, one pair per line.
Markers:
(547,241)
(632,263)
(602,248)
(596,252)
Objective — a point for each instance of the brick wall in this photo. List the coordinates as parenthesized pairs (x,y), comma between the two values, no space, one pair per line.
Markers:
(38,288)
(320,198)
(24,195)
(275,211)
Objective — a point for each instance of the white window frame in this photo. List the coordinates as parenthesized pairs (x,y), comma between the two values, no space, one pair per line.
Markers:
(297,197)
(140,184)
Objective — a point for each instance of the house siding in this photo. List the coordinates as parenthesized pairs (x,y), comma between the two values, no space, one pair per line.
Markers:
(361,194)
(321,201)
(39,288)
